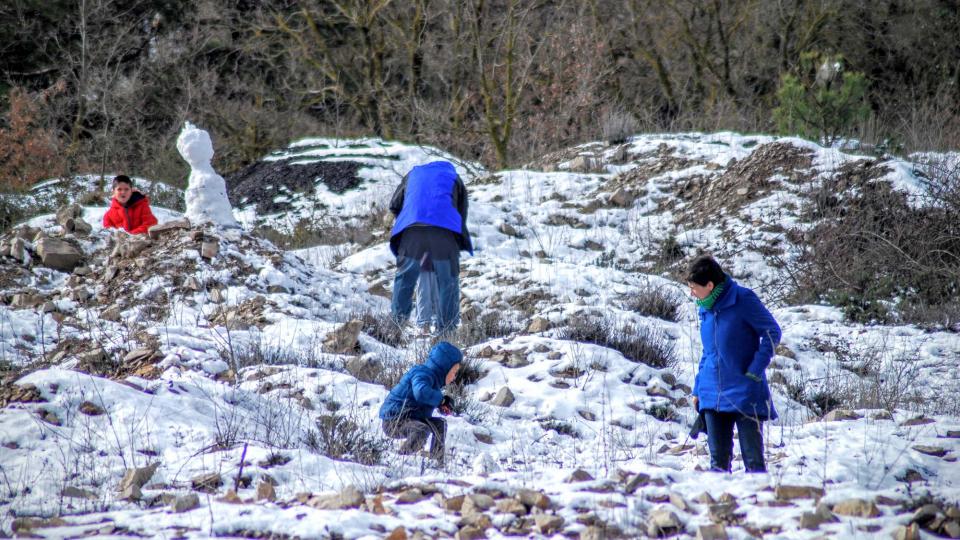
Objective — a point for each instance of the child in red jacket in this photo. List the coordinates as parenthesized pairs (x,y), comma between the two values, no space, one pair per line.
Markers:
(129,209)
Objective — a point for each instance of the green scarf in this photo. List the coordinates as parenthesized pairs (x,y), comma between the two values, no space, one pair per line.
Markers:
(707,303)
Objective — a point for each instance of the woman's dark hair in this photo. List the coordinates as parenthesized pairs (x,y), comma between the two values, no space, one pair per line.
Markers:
(122,179)
(705,269)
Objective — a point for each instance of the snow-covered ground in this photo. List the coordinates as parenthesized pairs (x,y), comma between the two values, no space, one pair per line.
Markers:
(244,388)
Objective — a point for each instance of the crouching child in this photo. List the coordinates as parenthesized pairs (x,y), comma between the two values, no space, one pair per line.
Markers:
(407,412)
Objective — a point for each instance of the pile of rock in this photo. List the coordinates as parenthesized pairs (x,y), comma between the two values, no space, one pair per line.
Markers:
(60,251)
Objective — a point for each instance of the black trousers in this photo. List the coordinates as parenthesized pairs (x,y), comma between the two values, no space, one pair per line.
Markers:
(416,431)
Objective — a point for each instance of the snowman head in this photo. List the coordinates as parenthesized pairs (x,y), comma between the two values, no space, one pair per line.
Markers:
(195,146)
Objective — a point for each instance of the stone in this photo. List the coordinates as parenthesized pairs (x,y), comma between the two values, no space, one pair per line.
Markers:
(476,503)
(918,421)
(139,355)
(953,434)
(453,504)
(953,512)
(511,506)
(663,522)
(547,523)
(705,498)
(508,230)
(134,246)
(790,493)
(277,289)
(131,493)
(231,497)
(218,296)
(723,512)
(622,198)
(907,532)
(349,497)
(209,249)
(26,300)
(668,378)
(185,503)
(579,475)
(533,499)
(637,481)
(935,451)
(470,532)
(345,339)
(658,391)
(410,496)
(856,508)
(208,482)
(951,529)
(538,325)
(581,164)
(504,398)
(813,520)
(712,532)
(881,415)
(399,533)
(161,229)
(266,492)
(587,415)
(112,313)
(837,415)
(91,409)
(193,284)
(677,500)
(485,438)
(18,249)
(517,360)
(366,368)
(77,493)
(58,254)
(137,477)
(67,213)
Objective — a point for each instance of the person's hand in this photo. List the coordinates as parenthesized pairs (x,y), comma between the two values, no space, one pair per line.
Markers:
(446,406)
(696,403)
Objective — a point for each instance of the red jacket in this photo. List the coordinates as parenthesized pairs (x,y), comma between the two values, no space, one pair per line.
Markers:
(135,217)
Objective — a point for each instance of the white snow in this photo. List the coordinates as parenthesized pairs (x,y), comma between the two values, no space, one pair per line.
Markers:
(206,194)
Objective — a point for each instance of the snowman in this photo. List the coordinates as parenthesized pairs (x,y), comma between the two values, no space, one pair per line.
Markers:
(206,194)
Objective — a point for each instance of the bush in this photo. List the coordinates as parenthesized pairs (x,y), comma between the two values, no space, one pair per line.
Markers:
(654,302)
(878,255)
(340,438)
(382,327)
(644,344)
(490,325)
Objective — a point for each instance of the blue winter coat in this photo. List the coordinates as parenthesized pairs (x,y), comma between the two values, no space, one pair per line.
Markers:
(431,194)
(739,336)
(418,392)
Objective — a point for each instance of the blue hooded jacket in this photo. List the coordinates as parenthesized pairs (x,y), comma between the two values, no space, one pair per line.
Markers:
(432,195)
(739,336)
(418,392)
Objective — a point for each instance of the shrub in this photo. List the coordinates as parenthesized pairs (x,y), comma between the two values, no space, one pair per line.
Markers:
(28,151)
(654,302)
(338,437)
(644,344)
(382,327)
(477,329)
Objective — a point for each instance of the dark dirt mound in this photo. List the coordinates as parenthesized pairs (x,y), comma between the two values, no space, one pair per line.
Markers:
(261,182)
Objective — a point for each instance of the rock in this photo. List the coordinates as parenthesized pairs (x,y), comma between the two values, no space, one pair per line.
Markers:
(343,340)
(723,512)
(538,325)
(581,164)
(139,355)
(193,284)
(548,524)
(587,415)
(67,213)
(705,498)
(399,533)
(712,532)
(511,506)
(218,296)
(837,415)
(508,230)
(26,300)
(131,493)
(470,532)
(856,508)
(881,415)
(907,532)
(485,438)
(366,368)
(637,481)
(533,499)
(504,398)
(137,477)
(622,198)
(662,522)
(918,421)
(476,503)
(677,500)
(813,520)
(579,475)
(58,255)
(18,250)
(410,496)
(658,391)
(161,229)
(453,504)
(231,497)
(208,482)
(112,313)
(266,492)
(77,493)
(951,529)
(134,246)
(790,493)
(351,497)
(935,451)
(91,409)
(209,249)
(517,360)
(185,503)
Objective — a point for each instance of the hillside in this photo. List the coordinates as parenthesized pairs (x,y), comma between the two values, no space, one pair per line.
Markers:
(207,383)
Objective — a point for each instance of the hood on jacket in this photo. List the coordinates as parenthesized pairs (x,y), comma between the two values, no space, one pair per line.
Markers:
(443,356)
